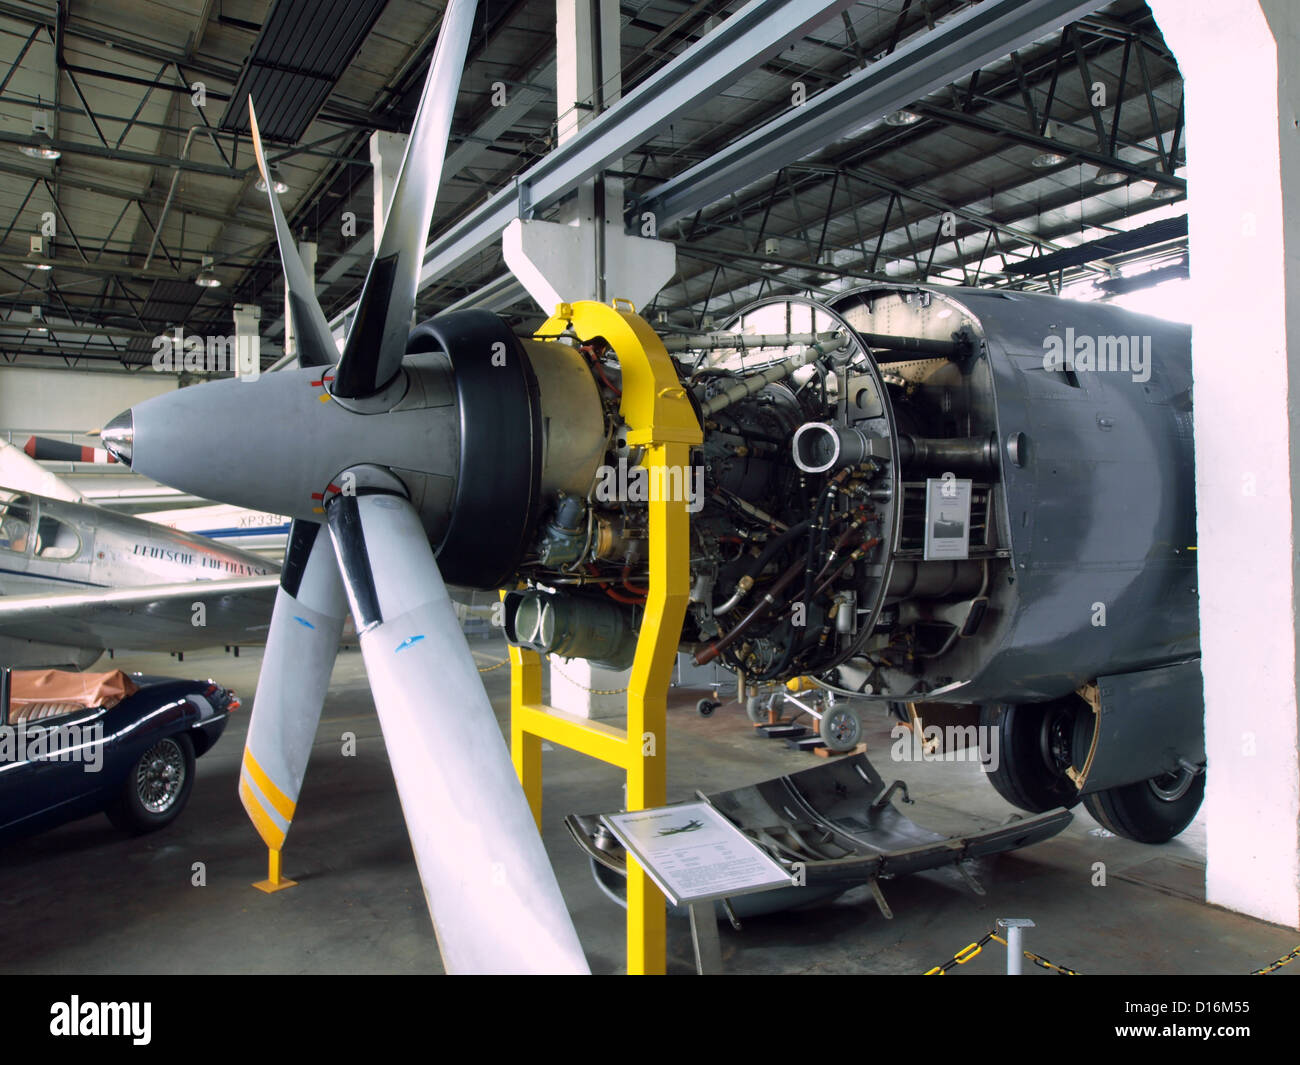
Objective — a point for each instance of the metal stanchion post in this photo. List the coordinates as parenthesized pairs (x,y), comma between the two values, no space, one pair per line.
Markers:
(1015,927)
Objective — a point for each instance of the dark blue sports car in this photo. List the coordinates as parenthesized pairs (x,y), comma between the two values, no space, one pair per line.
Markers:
(74,744)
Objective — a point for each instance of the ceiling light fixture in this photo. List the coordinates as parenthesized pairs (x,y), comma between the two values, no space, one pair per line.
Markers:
(36,259)
(206,278)
(1107,176)
(44,146)
(277,182)
(902,117)
(771,246)
(1049,157)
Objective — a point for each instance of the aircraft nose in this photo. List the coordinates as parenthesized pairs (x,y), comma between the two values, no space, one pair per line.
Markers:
(119,436)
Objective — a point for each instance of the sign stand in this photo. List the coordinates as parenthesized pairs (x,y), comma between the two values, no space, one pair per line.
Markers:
(696,857)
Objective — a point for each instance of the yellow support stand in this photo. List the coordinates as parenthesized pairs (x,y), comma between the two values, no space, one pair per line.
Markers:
(274,881)
(660,419)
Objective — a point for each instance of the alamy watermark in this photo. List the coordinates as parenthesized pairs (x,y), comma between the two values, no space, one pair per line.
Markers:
(952,743)
(181,352)
(76,1018)
(640,484)
(1087,353)
(71,742)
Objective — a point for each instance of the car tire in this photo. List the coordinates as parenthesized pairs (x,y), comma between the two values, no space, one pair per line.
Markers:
(1023,775)
(156,788)
(1150,811)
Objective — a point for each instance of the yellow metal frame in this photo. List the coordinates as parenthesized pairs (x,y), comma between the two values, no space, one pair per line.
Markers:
(660,419)
(274,881)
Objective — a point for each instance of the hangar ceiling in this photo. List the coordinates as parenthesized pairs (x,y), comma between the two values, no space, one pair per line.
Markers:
(988,181)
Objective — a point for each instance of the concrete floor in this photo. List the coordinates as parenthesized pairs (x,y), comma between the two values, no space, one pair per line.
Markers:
(84,899)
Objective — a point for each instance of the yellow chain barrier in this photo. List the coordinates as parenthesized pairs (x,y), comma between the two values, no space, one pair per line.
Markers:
(593,691)
(1286,959)
(961,957)
(968,952)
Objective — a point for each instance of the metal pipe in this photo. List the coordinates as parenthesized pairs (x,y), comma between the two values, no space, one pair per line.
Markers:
(743,342)
(171,193)
(756,382)
(937,579)
(963,454)
(888,348)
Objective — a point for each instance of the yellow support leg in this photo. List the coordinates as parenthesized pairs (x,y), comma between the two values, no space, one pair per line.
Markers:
(526,747)
(660,419)
(274,881)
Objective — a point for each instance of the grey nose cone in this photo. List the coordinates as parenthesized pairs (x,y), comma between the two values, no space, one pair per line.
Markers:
(118,436)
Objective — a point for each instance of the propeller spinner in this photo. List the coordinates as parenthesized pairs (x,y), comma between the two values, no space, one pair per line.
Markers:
(411,438)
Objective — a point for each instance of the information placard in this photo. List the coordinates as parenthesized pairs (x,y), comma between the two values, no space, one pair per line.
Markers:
(947,517)
(694,853)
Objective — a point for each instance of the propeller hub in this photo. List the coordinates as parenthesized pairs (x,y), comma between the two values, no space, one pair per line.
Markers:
(119,437)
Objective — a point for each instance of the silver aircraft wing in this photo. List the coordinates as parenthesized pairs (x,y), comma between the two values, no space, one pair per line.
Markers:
(160,617)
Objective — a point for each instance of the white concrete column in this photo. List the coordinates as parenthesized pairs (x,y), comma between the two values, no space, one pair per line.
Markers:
(307,253)
(386,151)
(1237,58)
(248,340)
(587,254)
(591,691)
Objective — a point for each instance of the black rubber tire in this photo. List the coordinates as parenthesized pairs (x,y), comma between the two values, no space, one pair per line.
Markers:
(840,728)
(705,707)
(139,808)
(1023,775)
(1137,812)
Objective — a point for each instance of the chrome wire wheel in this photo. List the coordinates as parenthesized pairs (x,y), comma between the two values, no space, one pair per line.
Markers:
(160,776)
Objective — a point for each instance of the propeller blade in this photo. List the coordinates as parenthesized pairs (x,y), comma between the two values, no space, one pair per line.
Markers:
(375,346)
(300,648)
(316,345)
(492,894)
(44,449)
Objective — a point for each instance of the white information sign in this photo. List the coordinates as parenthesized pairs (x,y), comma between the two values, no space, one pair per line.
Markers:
(694,853)
(947,517)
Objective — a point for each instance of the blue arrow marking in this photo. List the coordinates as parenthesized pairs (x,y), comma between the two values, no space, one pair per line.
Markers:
(407,643)
(303,621)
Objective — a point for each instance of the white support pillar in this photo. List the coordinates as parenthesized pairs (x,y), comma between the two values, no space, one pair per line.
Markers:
(248,340)
(307,253)
(386,151)
(1237,58)
(587,255)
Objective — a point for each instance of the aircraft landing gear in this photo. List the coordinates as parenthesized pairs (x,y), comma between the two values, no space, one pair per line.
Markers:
(1150,811)
(1036,743)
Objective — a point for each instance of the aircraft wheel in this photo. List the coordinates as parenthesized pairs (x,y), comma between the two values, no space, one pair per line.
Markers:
(157,787)
(756,709)
(1034,747)
(1150,811)
(705,707)
(840,728)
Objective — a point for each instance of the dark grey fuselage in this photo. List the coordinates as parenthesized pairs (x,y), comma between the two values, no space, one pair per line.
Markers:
(1091,560)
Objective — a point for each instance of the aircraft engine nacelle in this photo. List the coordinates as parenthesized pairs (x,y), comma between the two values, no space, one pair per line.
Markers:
(967,496)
